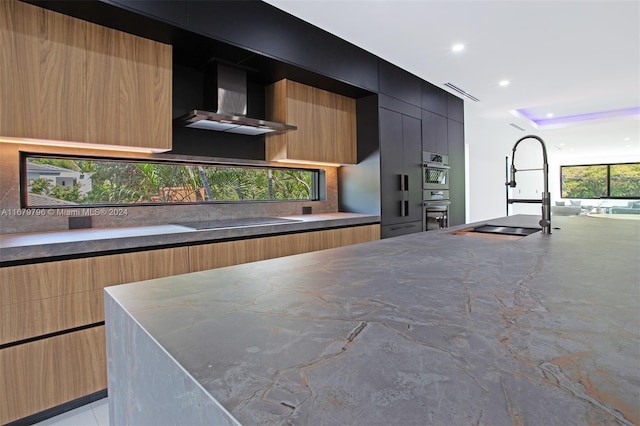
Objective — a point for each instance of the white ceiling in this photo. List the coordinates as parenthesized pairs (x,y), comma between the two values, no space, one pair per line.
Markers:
(566,57)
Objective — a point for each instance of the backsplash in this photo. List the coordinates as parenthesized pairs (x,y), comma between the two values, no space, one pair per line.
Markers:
(14,219)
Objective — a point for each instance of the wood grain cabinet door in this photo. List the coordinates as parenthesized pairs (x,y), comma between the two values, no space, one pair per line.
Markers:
(45,373)
(128,95)
(44,298)
(40,368)
(326,124)
(65,79)
(42,73)
(217,255)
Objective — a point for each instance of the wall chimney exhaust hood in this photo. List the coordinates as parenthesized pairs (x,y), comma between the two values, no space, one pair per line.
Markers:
(230,115)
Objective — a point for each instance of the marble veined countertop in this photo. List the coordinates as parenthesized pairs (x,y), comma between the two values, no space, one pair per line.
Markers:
(424,329)
(35,245)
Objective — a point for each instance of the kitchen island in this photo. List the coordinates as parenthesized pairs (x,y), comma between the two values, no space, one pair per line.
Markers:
(429,328)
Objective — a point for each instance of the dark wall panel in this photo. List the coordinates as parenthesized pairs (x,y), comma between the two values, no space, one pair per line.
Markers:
(207,143)
(264,29)
(434,133)
(359,185)
(457,174)
(434,99)
(400,84)
(397,105)
(455,108)
(171,11)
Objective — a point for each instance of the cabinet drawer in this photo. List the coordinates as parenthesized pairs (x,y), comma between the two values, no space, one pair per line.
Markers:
(217,255)
(43,298)
(43,316)
(39,375)
(389,231)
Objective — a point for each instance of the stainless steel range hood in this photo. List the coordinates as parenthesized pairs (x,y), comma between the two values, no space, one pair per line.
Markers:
(230,115)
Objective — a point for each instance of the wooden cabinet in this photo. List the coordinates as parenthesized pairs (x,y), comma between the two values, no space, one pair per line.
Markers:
(217,255)
(42,57)
(46,361)
(326,124)
(44,298)
(65,79)
(45,373)
(39,369)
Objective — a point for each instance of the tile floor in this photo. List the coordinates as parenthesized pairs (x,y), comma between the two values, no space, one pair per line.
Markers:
(93,414)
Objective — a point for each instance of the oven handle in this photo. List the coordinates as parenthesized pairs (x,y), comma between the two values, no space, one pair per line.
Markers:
(436,203)
(435,166)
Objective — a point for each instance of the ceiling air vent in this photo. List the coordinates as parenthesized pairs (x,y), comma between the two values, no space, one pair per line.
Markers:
(516,126)
(462,92)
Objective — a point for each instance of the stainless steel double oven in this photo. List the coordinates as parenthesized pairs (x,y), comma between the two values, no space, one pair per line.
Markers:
(435,190)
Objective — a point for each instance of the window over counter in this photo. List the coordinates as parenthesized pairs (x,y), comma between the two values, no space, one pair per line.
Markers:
(600,181)
(65,181)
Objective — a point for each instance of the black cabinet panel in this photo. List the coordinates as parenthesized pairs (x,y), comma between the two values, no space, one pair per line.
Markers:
(434,133)
(412,153)
(457,173)
(400,84)
(172,11)
(397,105)
(434,99)
(262,28)
(391,166)
(455,108)
(400,168)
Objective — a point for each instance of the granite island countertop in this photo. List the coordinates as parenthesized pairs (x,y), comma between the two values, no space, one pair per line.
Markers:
(428,328)
(39,245)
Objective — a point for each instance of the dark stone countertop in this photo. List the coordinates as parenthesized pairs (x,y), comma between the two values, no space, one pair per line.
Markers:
(428,328)
(37,245)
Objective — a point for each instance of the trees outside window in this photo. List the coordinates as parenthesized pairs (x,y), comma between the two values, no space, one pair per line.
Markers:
(127,182)
(601,181)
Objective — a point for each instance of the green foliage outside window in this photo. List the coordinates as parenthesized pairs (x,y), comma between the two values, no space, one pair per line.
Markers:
(116,182)
(601,181)
(625,180)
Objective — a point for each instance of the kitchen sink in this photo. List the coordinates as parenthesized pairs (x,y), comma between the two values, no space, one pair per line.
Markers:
(497,232)
(506,230)
(233,223)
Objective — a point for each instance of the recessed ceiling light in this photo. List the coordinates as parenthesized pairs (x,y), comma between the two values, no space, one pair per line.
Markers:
(503,83)
(458,47)
(627,139)
(550,115)
(561,143)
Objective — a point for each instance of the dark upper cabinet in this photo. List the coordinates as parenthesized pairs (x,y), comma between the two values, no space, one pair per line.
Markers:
(397,105)
(434,133)
(455,108)
(398,83)
(434,99)
(400,168)
(264,29)
(455,137)
(171,11)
